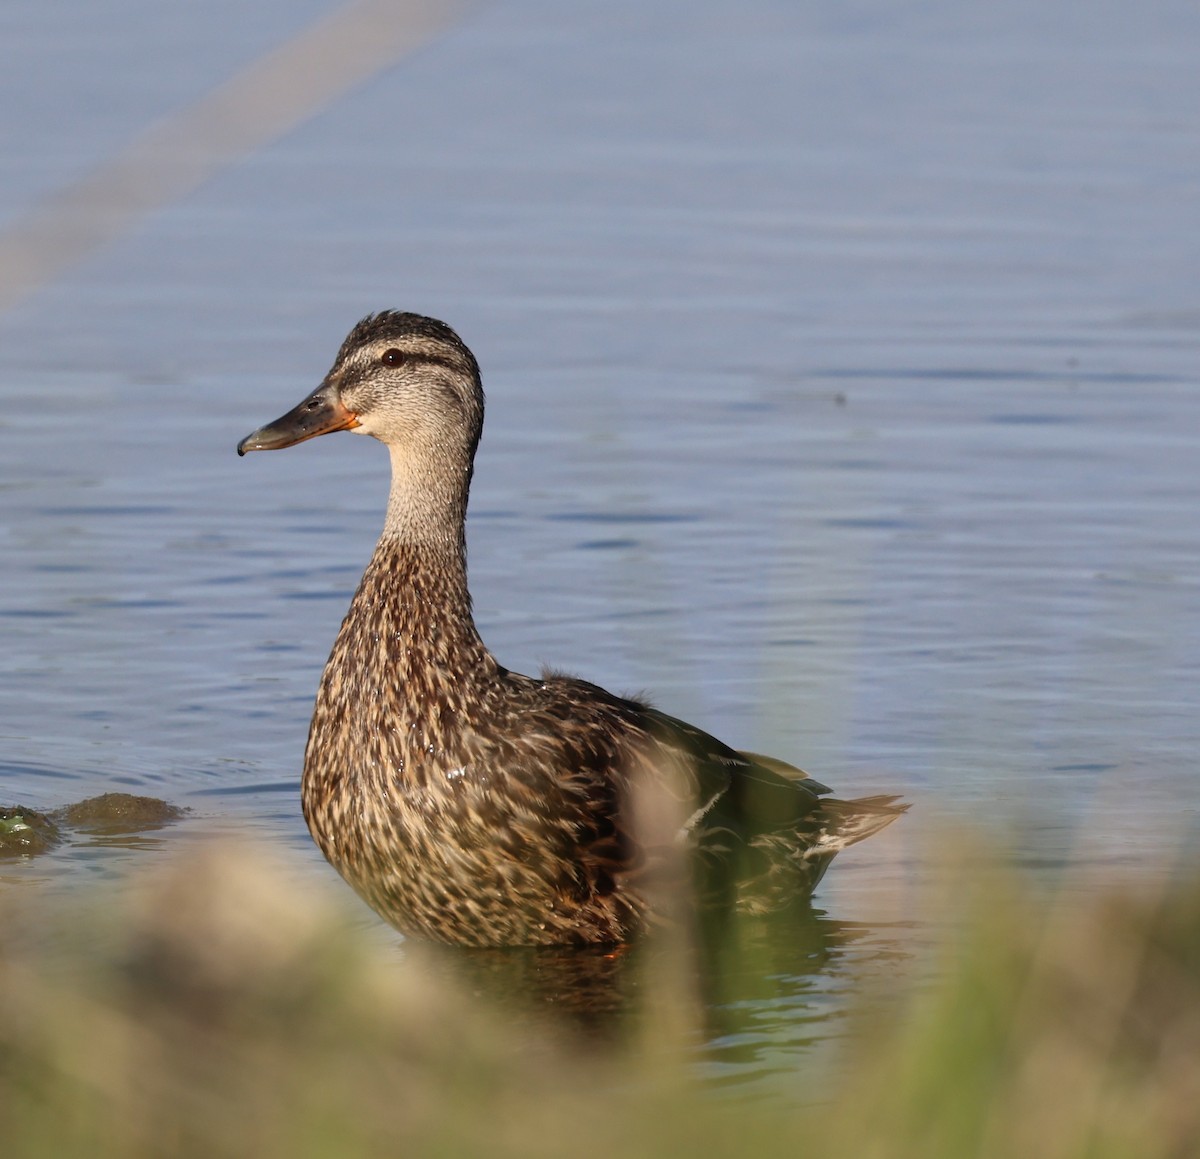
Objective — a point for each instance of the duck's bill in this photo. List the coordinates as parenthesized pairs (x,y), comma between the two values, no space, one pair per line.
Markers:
(318,414)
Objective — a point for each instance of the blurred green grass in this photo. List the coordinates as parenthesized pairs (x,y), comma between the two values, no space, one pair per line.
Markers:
(213,1007)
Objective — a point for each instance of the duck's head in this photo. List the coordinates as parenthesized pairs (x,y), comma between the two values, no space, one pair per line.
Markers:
(405,379)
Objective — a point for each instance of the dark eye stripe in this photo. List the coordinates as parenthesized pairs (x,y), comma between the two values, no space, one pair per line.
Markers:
(439,360)
(393,356)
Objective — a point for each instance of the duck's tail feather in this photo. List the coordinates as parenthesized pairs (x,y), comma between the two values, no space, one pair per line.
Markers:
(845,823)
(788,864)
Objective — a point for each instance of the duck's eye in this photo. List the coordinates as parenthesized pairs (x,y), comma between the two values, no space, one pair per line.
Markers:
(393,357)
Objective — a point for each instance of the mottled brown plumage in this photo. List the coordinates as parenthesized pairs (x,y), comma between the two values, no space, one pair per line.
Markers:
(470,804)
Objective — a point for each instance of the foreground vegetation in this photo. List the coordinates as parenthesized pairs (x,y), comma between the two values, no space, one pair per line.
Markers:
(216,1009)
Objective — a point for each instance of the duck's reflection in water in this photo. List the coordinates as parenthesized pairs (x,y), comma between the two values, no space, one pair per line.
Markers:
(587,989)
(749,984)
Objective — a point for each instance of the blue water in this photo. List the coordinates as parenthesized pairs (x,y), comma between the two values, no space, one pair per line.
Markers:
(842,377)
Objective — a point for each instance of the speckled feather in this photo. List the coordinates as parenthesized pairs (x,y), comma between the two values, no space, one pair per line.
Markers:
(470,804)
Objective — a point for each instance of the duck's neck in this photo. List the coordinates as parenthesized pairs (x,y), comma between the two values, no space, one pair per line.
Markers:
(415,589)
(427,506)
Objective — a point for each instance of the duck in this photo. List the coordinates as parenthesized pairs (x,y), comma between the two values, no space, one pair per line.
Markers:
(472,805)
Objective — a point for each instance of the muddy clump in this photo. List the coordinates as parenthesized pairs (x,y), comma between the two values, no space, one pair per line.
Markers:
(114,813)
(25,832)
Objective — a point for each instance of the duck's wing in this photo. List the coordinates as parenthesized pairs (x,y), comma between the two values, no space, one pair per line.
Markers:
(649,784)
(763,831)
(789,773)
(741,790)
(752,794)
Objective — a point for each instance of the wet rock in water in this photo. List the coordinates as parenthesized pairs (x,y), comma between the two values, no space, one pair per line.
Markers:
(118,813)
(24,832)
